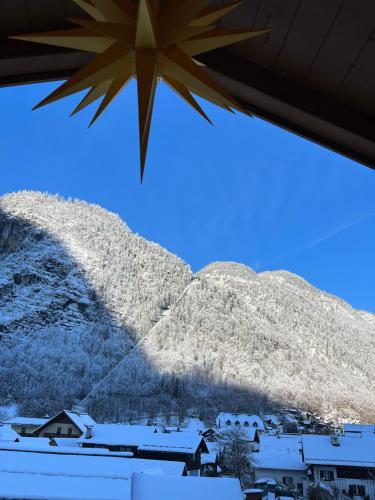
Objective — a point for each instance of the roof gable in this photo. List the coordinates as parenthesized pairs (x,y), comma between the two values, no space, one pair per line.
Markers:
(79,420)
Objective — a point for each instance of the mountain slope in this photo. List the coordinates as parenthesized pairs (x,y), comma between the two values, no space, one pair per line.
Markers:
(276,335)
(78,288)
(240,340)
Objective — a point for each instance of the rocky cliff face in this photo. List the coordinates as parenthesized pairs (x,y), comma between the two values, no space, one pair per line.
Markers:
(78,289)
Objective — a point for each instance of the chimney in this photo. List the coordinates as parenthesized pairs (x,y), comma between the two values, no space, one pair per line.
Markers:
(88,431)
(335,441)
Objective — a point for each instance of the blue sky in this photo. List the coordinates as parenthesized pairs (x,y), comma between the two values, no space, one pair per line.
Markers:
(243,190)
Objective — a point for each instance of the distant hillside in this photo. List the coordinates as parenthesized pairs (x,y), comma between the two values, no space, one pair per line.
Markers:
(77,288)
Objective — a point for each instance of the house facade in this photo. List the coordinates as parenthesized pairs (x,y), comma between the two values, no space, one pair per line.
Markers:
(239,420)
(66,424)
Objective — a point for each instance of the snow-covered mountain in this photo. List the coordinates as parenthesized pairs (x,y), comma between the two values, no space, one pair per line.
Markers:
(78,289)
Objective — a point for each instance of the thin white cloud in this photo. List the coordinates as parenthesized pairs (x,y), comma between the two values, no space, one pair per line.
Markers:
(329,235)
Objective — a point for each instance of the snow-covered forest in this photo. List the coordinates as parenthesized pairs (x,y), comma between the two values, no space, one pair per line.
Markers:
(78,289)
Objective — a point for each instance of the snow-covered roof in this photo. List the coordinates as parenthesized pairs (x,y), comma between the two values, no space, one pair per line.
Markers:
(34,441)
(274,419)
(318,449)
(81,420)
(249,432)
(241,418)
(265,480)
(194,424)
(369,428)
(71,442)
(61,450)
(83,466)
(279,452)
(144,438)
(211,456)
(27,421)
(7,433)
(147,486)
(39,487)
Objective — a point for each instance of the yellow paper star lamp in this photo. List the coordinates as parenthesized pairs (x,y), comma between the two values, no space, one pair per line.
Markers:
(149,40)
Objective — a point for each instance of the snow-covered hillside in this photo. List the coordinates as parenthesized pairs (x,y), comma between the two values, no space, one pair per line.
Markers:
(77,288)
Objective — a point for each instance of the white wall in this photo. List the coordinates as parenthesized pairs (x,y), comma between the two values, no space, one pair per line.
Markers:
(278,474)
(52,429)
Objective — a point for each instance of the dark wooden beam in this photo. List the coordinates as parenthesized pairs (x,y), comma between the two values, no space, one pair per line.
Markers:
(24,63)
(296,108)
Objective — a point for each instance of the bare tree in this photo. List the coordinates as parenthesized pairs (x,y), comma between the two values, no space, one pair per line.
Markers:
(234,456)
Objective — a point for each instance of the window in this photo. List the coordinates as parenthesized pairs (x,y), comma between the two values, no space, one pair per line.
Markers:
(300,489)
(356,490)
(287,480)
(355,473)
(70,430)
(23,430)
(236,422)
(246,423)
(327,475)
(228,422)
(58,432)
(255,424)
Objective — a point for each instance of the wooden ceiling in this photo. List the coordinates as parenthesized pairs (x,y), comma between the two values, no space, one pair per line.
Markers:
(314,74)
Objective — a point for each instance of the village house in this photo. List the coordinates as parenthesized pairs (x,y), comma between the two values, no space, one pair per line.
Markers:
(76,433)
(272,422)
(346,464)
(24,426)
(147,442)
(210,435)
(239,420)
(280,459)
(67,424)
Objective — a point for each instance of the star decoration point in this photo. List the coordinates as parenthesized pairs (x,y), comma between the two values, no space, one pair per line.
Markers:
(151,41)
